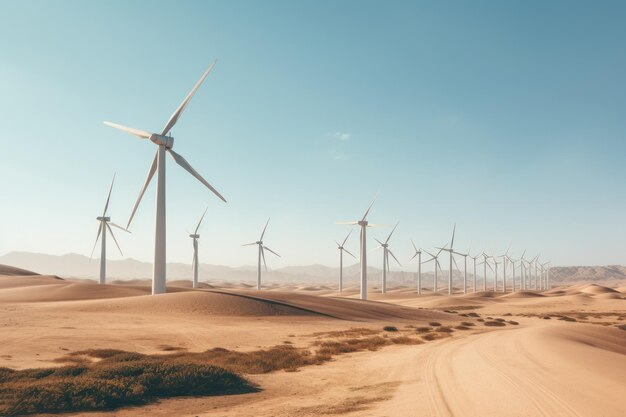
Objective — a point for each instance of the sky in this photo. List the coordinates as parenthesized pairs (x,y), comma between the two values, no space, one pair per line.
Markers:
(506,118)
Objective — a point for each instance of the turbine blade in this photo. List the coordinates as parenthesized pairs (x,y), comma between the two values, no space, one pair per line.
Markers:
(141,134)
(174,118)
(453,232)
(96,243)
(263,256)
(348,252)
(392,230)
(338,244)
(369,208)
(348,223)
(106,205)
(381,243)
(119,227)
(455,264)
(430,254)
(200,222)
(349,233)
(249,244)
(183,163)
(264,228)
(114,239)
(394,257)
(265,247)
(414,247)
(151,172)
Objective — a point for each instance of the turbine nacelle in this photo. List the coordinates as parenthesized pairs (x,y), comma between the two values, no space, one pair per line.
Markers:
(259,242)
(103,219)
(162,140)
(194,236)
(363,223)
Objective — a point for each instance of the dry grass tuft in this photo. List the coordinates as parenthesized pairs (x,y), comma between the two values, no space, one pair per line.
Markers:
(390,328)
(434,324)
(494,324)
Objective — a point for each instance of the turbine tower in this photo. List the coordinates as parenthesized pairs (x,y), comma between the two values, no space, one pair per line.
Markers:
(465,255)
(195,236)
(504,260)
(262,249)
(386,253)
(164,142)
(105,225)
(474,280)
(342,249)
(364,224)
(451,252)
(418,253)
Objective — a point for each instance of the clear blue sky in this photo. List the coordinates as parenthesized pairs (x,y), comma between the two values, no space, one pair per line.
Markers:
(508,118)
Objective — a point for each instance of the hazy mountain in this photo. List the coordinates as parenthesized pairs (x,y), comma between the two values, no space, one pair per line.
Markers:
(79,266)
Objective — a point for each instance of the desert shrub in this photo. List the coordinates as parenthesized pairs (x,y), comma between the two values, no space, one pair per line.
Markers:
(461,327)
(111,385)
(473,314)
(513,322)
(405,340)
(445,329)
(480,320)
(434,324)
(547,317)
(494,324)
(429,336)
(467,323)
(621,327)
(500,320)
(565,318)
(423,329)
(390,328)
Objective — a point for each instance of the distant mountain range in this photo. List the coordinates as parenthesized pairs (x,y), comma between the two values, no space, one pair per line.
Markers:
(79,266)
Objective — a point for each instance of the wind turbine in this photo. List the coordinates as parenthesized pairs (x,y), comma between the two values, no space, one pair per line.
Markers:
(512,262)
(451,252)
(342,249)
(536,262)
(386,253)
(105,224)
(164,142)
(465,255)
(495,279)
(523,283)
(504,260)
(437,265)
(475,258)
(485,265)
(363,223)
(262,249)
(418,253)
(195,236)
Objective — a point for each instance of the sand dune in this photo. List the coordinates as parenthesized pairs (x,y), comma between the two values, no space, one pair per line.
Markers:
(522,294)
(596,289)
(7,270)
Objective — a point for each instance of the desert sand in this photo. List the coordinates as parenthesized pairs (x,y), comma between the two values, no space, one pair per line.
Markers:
(572,364)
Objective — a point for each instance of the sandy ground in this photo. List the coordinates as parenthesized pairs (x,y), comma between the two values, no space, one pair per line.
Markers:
(538,368)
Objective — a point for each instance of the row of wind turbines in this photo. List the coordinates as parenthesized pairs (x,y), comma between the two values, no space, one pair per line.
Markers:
(532,274)
(165,142)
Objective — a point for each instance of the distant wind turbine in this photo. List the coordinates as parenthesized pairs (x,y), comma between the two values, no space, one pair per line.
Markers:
(451,252)
(485,265)
(474,280)
(105,225)
(418,253)
(262,250)
(364,224)
(342,249)
(164,142)
(195,236)
(386,253)
(437,265)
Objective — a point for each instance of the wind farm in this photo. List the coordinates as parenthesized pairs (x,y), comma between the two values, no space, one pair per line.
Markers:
(445,235)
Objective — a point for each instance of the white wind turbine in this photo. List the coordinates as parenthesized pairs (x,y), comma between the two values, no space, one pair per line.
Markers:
(474,258)
(485,265)
(164,142)
(495,279)
(386,253)
(523,283)
(465,255)
(418,253)
(536,262)
(364,224)
(504,261)
(451,252)
(195,236)
(262,249)
(437,265)
(105,225)
(512,262)
(342,249)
